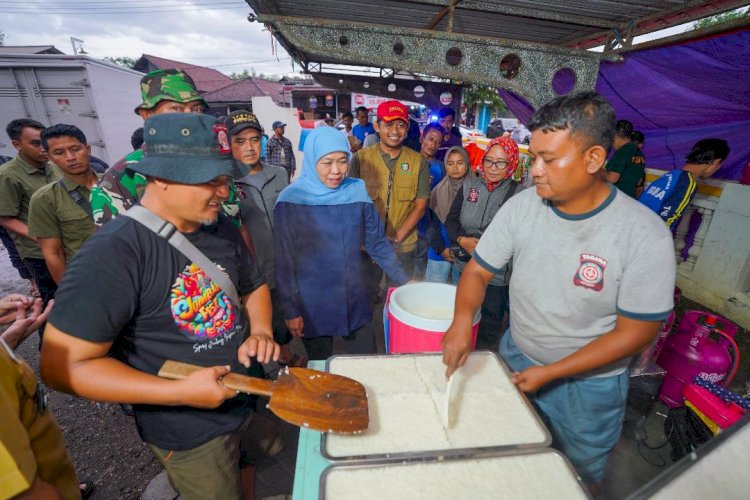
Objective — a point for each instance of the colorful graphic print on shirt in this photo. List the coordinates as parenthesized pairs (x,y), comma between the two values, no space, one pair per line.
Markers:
(200,308)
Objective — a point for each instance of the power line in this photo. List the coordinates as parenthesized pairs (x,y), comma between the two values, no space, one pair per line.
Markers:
(274,60)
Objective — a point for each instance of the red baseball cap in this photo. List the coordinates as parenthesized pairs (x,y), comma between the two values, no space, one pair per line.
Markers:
(392,110)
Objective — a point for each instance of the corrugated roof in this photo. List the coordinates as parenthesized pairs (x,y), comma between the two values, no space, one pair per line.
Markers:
(29,49)
(206,79)
(271,89)
(518,45)
(582,24)
(245,90)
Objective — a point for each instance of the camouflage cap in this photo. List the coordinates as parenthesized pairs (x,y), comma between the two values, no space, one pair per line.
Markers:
(167,85)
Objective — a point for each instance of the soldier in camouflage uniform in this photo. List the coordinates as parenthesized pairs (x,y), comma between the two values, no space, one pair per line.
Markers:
(163,91)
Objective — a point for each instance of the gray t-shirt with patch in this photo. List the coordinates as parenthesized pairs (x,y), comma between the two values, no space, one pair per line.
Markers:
(572,275)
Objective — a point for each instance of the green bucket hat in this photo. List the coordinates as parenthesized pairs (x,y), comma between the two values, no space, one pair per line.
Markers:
(167,85)
(183,147)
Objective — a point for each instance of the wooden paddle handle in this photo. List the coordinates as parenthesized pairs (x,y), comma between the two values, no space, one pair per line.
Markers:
(176,370)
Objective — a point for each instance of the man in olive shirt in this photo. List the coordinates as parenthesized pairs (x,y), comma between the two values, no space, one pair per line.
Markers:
(397,179)
(19,179)
(627,166)
(60,216)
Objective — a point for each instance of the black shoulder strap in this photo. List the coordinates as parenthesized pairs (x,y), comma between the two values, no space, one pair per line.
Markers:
(175,238)
(78,198)
(510,192)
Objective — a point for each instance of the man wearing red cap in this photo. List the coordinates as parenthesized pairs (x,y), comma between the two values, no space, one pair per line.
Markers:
(397,179)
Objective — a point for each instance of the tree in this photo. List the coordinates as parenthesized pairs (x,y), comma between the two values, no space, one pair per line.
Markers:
(477,95)
(240,76)
(721,18)
(269,78)
(125,61)
(2,38)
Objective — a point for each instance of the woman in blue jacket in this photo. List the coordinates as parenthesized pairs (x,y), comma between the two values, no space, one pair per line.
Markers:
(322,221)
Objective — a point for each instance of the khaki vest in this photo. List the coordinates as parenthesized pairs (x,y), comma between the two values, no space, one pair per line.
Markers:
(394,204)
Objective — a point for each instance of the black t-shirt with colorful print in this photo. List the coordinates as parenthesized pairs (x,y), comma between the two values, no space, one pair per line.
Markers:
(128,286)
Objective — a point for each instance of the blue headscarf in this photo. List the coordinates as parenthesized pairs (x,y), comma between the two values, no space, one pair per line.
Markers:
(309,189)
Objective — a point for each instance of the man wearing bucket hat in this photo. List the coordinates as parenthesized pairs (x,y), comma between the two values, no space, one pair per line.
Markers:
(158,304)
(162,91)
(397,180)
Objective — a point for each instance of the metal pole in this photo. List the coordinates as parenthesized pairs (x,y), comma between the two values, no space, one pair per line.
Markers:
(41,97)
(73,41)
(20,95)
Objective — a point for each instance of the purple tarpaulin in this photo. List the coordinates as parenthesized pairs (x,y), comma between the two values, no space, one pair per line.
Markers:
(679,94)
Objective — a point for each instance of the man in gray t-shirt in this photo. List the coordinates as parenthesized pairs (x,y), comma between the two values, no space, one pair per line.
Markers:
(593,276)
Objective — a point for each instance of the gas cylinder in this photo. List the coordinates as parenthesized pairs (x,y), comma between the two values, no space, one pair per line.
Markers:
(701,346)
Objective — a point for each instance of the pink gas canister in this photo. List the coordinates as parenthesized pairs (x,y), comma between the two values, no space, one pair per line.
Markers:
(703,345)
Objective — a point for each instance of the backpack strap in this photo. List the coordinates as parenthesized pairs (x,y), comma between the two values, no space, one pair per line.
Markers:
(169,232)
(78,198)
(510,192)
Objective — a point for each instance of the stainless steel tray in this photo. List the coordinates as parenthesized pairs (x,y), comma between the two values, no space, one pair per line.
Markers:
(441,461)
(395,455)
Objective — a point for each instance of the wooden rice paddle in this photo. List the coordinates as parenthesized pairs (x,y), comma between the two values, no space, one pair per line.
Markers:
(307,398)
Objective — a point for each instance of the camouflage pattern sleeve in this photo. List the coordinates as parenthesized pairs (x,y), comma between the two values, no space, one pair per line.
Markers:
(117,190)
(231,207)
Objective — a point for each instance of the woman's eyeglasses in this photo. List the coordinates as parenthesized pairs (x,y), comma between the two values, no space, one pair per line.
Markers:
(499,164)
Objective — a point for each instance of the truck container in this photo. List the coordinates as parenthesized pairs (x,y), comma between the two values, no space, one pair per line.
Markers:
(96,96)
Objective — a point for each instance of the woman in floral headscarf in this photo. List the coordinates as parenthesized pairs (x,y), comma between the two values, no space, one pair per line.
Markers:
(474,207)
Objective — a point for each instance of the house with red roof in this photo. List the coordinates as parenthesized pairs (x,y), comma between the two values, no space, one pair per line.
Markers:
(239,95)
(206,79)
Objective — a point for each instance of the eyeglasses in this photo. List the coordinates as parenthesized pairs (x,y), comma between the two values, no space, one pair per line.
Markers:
(499,164)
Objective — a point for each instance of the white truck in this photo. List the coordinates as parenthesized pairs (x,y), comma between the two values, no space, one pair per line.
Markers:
(96,96)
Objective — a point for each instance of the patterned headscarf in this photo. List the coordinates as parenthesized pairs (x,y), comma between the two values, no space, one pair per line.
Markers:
(511,150)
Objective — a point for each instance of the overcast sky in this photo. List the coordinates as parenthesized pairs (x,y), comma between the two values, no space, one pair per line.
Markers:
(213,33)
